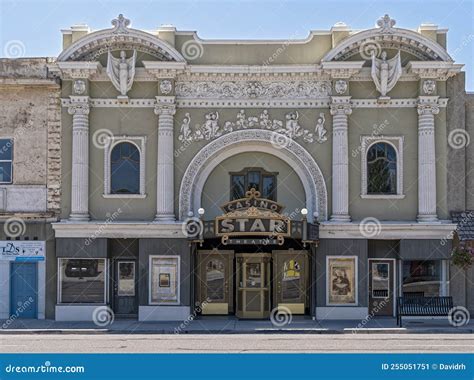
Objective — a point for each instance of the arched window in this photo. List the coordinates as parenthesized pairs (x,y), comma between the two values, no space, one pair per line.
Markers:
(125,169)
(381,169)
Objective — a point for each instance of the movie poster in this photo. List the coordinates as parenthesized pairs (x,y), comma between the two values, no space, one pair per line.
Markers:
(342,280)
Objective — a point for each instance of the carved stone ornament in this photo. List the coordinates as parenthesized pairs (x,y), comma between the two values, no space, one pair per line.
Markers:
(429,86)
(340,86)
(302,89)
(79,87)
(386,73)
(212,128)
(120,24)
(166,86)
(386,24)
(121,71)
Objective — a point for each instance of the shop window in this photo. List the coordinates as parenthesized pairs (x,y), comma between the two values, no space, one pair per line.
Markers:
(164,280)
(6,160)
(125,169)
(256,178)
(422,278)
(82,281)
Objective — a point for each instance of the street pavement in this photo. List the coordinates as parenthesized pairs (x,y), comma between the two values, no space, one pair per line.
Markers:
(228,325)
(237,343)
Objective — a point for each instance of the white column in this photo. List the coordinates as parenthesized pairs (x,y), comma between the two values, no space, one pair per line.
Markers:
(79,108)
(165,110)
(427,108)
(340,110)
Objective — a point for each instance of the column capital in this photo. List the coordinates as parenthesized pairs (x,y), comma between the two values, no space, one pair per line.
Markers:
(340,105)
(165,105)
(79,105)
(428,105)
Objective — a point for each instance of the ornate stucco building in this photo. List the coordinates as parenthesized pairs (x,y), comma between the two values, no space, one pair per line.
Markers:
(313,176)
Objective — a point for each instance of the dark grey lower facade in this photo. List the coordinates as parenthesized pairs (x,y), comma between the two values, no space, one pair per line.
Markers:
(169,279)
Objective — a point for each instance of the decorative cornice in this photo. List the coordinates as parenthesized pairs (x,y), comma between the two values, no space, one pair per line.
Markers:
(253,103)
(75,70)
(433,70)
(160,69)
(342,70)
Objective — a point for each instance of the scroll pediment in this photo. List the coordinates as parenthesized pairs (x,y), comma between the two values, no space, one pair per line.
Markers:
(92,46)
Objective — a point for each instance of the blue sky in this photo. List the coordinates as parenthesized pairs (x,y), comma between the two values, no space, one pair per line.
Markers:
(37,24)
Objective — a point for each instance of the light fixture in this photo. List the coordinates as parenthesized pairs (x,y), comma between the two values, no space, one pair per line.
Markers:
(201,211)
(304,211)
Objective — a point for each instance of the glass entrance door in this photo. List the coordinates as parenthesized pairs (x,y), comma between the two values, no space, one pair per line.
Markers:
(381,272)
(253,285)
(290,274)
(125,295)
(215,281)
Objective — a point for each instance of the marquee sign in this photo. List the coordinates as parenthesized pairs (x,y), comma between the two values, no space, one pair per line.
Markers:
(253,216)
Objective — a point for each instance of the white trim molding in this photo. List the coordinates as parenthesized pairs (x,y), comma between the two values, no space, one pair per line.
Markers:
(140,143)
(116,230)
(388,230)
(397,143)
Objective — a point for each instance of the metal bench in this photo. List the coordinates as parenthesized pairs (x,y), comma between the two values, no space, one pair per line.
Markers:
(413,306)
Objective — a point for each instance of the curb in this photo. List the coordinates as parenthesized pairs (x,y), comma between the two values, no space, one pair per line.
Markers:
(269,331)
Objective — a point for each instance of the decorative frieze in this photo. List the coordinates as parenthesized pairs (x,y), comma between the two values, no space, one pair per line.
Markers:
(290,89)
(290,127)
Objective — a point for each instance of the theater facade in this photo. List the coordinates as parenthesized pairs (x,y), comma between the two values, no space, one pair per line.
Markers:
(246,178)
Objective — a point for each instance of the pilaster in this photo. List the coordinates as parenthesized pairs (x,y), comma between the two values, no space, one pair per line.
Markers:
(427,109)
(165,109)
(340,110)
(79,109)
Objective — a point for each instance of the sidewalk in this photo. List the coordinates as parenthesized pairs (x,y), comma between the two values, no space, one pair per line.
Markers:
(227,325)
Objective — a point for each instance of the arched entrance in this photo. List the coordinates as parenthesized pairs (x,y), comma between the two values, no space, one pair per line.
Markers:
(248,141)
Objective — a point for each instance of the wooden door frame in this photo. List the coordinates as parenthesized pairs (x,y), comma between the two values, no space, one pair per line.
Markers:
(394,281)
